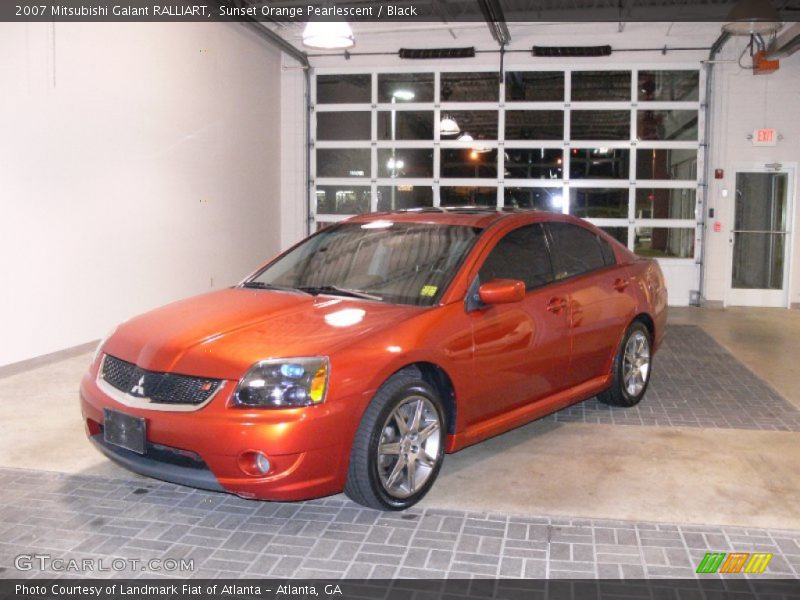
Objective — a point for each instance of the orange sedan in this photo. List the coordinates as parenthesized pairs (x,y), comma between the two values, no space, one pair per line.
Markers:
(358,358)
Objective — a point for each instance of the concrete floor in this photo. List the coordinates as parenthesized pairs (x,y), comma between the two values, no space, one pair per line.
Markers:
(667,474)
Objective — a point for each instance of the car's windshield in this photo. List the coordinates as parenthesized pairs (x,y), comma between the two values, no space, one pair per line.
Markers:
(403,263)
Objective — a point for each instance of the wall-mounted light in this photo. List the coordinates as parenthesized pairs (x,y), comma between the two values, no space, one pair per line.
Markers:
(328,35)
(752,17)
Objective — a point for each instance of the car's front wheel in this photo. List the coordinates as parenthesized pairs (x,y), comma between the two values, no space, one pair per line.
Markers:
(399,446)
(631,370)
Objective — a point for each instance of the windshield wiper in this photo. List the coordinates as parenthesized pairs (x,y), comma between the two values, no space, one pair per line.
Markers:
(340,291)
(260,285)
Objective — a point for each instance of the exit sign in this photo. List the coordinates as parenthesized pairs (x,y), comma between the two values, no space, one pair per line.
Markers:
(765,137)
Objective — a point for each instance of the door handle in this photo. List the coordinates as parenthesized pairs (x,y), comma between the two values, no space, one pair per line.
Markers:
(620,284)
(556,305)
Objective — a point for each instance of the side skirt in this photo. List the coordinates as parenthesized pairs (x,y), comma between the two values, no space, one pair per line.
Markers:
(525,414)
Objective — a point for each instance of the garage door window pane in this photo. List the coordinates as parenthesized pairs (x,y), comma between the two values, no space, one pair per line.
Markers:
(406,125)
(601,125)
(667,125)
(405,87)
(666,203)
(533,86)
(599,163)
(470,87)
(468,162)
(344,89)
(618,233)
(480,124)
(405,162)
(666,164)
(402,197)
(669,86)
(342,200)
(599,203)
(601,86)
(549,199)
(343,162)
(534,125)
(339,126)
(534,163)
(467,196)
(664,242)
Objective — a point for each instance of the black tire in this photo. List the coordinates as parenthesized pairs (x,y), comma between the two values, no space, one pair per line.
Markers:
(364,483)
(618,394)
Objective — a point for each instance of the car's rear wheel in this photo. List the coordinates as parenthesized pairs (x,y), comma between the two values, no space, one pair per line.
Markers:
(399,446)
(631,370)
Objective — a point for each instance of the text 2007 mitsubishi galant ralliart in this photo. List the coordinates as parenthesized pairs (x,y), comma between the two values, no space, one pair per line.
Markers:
(358,358)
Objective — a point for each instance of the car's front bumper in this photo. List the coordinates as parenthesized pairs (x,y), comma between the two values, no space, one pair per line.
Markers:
(308,448)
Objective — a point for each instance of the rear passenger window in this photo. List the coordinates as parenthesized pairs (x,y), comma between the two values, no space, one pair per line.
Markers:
(521,254)
(575,250)
(608,253)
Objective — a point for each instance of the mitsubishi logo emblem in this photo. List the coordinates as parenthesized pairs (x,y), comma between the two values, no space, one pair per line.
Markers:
(138,389)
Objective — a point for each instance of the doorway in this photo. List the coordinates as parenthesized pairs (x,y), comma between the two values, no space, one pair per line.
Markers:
(761,238)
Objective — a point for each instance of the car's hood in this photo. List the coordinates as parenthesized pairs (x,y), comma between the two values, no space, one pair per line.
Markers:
(221,334)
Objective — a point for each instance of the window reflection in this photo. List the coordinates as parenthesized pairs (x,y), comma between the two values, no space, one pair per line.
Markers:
(343,162)
(534,86)
(664,242)
(403,197)
(470,87)
(534,163)
(534,124)
(405,125)
(599,163)
(666,203)
(596,86)
(467,196)
(549,199)
(599,203)
(669,86)
(469,162)
(478,124)
(601,124)
(344,89)
(667,124)
(339,126)
(405,87)
(345,200)
(666,164)
(405,162)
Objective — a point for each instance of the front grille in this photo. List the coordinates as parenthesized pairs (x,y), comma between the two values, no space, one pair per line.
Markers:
(160,388)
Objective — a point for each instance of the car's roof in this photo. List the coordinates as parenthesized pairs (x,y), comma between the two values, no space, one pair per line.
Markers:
(471,216)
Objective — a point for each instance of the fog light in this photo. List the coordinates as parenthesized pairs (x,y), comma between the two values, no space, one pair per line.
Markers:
(254,463)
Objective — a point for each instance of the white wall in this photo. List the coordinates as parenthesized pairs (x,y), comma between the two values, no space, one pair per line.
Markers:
(138,165)
(741,103)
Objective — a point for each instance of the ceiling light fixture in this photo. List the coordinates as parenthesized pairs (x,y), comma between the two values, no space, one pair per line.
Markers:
(403,95)
(328,35)
(448,126)
(465,137)
(752,17)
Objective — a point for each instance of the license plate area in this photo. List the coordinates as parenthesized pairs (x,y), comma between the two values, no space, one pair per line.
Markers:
(124,431)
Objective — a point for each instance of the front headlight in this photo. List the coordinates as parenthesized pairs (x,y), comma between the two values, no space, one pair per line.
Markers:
(284,383)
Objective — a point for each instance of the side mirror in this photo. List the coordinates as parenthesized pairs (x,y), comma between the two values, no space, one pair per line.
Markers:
(502,291)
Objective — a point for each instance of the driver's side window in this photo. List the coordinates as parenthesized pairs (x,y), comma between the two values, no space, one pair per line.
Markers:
(522,254)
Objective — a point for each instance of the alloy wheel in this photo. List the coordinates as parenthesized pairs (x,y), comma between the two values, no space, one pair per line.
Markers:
(636,363)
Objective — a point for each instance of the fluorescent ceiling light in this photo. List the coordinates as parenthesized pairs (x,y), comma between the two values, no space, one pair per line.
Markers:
(328,35)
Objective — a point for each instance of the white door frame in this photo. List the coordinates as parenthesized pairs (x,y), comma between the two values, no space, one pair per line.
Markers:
(779,298)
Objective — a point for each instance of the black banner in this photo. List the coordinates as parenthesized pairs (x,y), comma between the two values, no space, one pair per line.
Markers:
(288,11)
(383,589)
